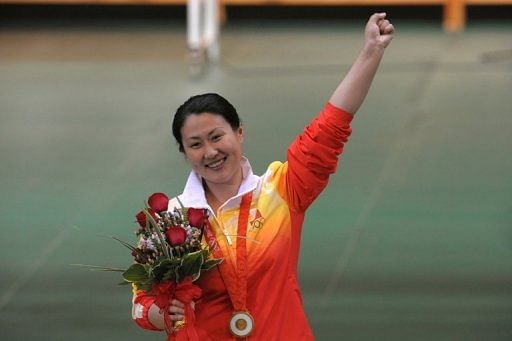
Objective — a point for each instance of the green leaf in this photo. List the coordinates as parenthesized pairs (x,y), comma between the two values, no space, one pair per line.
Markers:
(131,247)
(156,273)
(191,264)
(177,274)
(159,272)
(143,286)
(170,262)
(136,273)
(210,263)
(170,274)
(99,268)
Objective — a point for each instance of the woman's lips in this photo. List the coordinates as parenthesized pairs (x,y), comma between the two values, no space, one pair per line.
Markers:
(216,164)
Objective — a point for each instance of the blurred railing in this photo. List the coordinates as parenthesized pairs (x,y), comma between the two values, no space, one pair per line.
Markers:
(454,11)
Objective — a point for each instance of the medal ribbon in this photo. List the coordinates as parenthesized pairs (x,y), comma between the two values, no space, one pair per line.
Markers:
(236,282)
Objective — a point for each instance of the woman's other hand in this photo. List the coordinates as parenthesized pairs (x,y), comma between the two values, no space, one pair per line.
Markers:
(176,313)
(177,310)
(379,31)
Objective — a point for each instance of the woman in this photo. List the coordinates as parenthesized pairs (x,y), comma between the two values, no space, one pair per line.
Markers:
(256,221)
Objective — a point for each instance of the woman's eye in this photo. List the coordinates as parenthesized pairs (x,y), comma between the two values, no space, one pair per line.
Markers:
(195,145)
(216,137)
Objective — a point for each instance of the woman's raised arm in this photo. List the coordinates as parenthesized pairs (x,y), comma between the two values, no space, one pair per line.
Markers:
(352,90)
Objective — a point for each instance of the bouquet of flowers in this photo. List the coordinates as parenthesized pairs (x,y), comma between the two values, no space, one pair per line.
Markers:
(168,258)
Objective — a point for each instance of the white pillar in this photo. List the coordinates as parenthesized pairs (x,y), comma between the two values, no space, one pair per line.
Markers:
(194,30)
(211,29)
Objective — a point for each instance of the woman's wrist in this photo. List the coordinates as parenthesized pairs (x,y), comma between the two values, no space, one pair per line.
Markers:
(373,50)
(155,317)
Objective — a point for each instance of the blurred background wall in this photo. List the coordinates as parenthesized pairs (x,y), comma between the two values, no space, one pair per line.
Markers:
(410,241)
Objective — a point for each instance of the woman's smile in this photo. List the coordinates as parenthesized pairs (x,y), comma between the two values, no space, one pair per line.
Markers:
(217,164)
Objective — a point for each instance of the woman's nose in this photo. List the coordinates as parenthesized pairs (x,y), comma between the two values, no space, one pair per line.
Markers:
(211,152)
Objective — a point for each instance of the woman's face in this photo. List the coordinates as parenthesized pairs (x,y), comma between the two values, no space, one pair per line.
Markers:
(212,147)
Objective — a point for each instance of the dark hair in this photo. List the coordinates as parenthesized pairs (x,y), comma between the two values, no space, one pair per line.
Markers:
(211,103)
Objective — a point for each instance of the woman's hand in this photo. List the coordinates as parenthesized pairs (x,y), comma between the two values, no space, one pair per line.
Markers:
(176,313)
(177,310)
(379,31)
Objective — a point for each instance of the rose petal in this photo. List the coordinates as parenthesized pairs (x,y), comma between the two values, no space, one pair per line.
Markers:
(158,202)
(141,219)
(176,235)
(196,217)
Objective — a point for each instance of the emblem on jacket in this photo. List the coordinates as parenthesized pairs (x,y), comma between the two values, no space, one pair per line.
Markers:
(258,221)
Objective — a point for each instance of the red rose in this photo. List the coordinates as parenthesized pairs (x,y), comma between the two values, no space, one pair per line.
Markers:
(141,219)
(158,202)
(176,235)
(196,217)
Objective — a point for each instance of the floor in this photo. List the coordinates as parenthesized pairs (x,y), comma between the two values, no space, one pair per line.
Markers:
(412,240)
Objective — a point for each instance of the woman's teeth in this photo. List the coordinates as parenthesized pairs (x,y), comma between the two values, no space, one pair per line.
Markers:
(216,164)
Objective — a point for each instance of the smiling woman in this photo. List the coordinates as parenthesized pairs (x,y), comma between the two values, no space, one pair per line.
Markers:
(255,222)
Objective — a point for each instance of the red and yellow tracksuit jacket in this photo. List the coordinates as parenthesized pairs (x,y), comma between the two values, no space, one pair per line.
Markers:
(280,199)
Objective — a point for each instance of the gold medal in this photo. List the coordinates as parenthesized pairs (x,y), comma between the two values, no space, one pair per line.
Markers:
(241,324)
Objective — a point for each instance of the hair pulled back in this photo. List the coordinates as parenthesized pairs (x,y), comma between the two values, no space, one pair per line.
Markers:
(205,103)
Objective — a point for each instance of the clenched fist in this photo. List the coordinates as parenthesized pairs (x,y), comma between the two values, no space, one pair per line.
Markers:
(379,31)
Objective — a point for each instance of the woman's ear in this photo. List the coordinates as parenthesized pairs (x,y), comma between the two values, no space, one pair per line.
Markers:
(240,133)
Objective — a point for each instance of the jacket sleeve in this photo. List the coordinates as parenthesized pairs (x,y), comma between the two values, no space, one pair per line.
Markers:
(140,308)
(314,154)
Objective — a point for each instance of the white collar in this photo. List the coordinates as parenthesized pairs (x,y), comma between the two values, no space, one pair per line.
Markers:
(193,194)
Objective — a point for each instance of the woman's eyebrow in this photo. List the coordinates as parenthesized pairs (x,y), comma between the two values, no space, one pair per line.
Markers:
(213,131)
